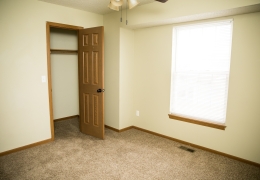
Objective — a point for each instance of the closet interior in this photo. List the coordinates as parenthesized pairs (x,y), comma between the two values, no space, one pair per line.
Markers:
(64,72)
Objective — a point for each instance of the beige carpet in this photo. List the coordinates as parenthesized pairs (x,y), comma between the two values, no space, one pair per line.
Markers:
(128,155)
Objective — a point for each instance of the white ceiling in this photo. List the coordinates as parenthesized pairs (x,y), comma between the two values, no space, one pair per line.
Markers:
(95,6)
(196,17)
(100,7)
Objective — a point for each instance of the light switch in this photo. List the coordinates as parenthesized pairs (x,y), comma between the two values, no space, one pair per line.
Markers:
(43,79)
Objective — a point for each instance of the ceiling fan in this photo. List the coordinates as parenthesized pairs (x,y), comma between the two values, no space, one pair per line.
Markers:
(116,4)
(162,1)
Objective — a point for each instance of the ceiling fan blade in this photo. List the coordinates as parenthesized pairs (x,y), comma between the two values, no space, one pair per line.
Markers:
(162,1)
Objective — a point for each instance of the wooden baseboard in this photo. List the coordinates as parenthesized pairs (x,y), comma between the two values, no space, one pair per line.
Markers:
(190,144)
(114,129)
(125,129)
(119,130)
(26,147)
(66,118)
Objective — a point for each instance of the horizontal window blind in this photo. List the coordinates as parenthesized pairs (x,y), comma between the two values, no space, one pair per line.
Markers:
(200,71)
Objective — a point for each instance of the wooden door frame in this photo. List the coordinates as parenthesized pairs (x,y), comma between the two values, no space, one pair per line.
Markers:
(48,26)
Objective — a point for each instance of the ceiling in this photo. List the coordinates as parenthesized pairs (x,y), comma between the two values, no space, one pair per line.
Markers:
(95,6)
(195,17)
(100,7)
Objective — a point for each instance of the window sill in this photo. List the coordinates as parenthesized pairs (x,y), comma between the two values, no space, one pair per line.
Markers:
(199,122)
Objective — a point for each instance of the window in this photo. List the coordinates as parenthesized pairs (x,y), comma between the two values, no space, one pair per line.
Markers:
(200,73)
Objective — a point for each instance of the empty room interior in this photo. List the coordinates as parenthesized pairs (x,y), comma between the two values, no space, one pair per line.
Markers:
(134,71)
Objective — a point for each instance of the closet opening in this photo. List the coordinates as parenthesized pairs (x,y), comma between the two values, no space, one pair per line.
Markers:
(75,62)
(62,48)
(64,73)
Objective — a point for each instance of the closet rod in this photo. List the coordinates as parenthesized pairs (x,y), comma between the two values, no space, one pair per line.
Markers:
(63,51)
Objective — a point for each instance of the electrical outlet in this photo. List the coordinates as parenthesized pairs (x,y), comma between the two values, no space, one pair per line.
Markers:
(137,113)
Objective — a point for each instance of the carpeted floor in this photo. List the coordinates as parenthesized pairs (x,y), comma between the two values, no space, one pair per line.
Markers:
(128,155)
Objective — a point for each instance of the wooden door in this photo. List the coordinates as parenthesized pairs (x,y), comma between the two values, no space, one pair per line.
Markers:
(91,81)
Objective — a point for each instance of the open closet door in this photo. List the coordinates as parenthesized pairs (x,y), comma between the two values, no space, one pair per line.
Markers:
(91,81)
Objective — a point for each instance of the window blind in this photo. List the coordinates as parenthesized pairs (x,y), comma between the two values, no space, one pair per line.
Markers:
(200,71)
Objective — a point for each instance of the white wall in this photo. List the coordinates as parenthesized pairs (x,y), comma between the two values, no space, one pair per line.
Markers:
(63,39)
(24,104)
(111,61)
(119,52)
(64,73)
(127,72)
(152,64)
(65,91)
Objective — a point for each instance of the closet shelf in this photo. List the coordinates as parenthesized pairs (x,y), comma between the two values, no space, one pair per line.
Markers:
(63,51)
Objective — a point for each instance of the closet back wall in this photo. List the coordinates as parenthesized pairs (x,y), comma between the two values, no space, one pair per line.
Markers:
(64,73)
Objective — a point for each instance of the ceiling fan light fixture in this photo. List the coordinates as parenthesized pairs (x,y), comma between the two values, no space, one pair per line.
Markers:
(111,6)
(117,2)
(132,3)
(162,1)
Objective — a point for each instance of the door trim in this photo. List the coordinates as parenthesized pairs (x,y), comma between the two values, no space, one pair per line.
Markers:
(48,26)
